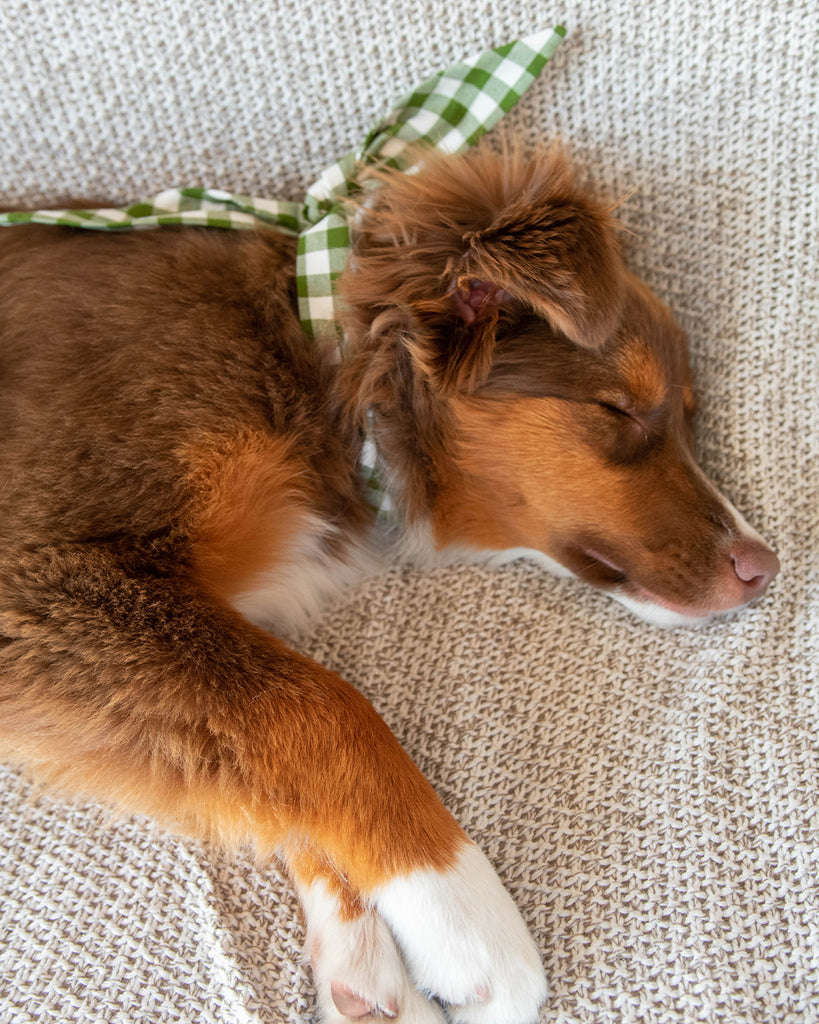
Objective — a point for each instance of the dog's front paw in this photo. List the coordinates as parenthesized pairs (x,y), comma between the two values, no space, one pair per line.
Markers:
(465,942)
(358,972)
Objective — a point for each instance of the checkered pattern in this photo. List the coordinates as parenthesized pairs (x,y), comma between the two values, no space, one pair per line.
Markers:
(449,111)
(454,108)
(195,207)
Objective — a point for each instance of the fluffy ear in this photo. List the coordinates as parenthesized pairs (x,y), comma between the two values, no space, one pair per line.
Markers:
(442,253)
(554,250)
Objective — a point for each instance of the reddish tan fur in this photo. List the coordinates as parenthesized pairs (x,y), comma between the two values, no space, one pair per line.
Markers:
(167,431)
(195,413)
(248,503)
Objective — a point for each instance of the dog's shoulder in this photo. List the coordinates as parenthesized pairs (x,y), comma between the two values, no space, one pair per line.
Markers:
(159,380)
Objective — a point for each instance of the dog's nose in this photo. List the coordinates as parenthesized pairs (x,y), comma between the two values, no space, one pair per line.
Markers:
(755,566)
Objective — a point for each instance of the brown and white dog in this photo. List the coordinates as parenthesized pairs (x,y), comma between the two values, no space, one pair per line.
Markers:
(177,463)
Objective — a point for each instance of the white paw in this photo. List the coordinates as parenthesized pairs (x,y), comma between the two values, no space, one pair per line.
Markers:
(357,969)
(465,942)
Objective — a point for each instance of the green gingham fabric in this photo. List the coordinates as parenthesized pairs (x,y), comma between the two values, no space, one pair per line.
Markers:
(449,111)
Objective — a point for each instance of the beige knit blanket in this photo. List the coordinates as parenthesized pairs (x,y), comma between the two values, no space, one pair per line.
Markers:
(650,797)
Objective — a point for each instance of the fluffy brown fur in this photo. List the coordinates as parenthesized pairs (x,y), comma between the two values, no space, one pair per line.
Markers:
(168,436)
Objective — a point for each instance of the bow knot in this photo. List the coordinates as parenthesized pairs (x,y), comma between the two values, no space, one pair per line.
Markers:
(449,111)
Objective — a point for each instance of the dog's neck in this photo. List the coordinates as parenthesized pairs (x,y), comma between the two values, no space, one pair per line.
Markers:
(395,426)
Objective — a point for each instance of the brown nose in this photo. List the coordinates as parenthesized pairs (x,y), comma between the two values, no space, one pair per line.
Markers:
(755,566)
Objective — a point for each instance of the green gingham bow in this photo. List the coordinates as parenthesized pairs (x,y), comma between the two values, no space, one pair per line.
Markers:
(449,111)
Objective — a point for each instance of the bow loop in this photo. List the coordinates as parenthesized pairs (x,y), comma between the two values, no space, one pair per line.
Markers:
(449,111)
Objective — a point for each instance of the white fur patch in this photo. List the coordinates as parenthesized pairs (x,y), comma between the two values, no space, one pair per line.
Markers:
(361,956)
(493,559)
(295,591)
(657,614)
(465,941)
(416,546)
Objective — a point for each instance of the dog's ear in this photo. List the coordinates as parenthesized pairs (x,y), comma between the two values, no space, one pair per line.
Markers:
(553,250)
(442,254)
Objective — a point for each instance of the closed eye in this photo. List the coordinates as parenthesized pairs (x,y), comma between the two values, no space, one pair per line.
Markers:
(626,414)
(630,437)
(611,407)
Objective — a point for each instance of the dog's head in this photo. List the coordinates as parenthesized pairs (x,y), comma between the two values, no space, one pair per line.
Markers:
(530,393)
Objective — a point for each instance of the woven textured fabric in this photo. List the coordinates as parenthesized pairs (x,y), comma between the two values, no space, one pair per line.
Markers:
(650,797)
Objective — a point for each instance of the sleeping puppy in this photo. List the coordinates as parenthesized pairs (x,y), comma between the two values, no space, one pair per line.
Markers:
(182,477)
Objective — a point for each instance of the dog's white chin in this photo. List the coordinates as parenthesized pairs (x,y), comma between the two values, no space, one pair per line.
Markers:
(495,558)
(648,610)
(658,614)
(419,549)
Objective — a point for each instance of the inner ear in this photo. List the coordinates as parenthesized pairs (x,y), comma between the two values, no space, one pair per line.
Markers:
(464,343)
(476,299)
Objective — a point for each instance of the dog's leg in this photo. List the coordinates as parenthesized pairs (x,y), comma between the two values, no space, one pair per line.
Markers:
(465,941)
(121,678)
